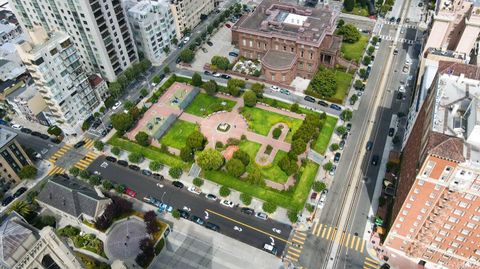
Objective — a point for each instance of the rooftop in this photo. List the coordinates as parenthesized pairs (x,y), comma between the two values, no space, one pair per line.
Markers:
(14,234)
(71,196)
(279,59)
(6,136)
(281,17)
(95,80)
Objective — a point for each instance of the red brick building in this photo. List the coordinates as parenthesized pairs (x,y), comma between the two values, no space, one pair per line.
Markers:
(437,205)
(288,39)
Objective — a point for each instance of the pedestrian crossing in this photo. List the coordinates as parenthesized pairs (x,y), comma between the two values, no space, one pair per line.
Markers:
(296,246)
(370,263)
(56,170)
(346,239)
(87,160)
(401,40)
(411,26)
(88,143)
(59,153)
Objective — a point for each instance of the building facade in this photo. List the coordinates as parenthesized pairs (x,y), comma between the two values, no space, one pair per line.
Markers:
(153,28)
(288,39)
(99,30)
(12,156)
(189,13)
(436,214)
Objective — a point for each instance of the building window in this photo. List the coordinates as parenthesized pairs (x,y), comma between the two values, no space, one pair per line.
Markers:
(453,219)
(465,232)
(421,182)
(437,187)
(458,212)
(401,219)
(469,196)
(301,54)
(283,77)
(251,43)
(463,205)
(273,77)
(428,203)
(258,44)
(428,168)
(432,195)
(284,48)
(404,212)
(424,210)
(276,47)
(443,233)
(447,226)
(244,42)
(471,225)
(417,191)
(292,49)
(476,218)
(408,205)
(438,239)
(311,55)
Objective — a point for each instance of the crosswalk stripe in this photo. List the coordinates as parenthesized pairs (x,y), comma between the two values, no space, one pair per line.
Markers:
(294,249)
(371,260)
(352,244)
(89,143)
(324,230)
(293,254)
(328,233)
(319,229)
(61,171)
(81,166)
(85,161)
(347,238)
(301,233)
(362,246)
(298,241)
(291,258)
(358,243)
(54,170)
(299,236)
(370,264)
(92,154)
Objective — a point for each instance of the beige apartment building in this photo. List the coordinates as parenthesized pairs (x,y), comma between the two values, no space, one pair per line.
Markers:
(436,215)
(12,156)
(188,13)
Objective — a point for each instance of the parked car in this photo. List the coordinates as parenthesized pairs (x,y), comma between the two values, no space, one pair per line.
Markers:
(341,145)
(211,197)
(336,107)
(177,184)
(270,249)
(228,25)
(44,136)
(184,214)
(225,76)
(261,215)
(391,132)
(390,191)
(178,60)
(399,19)
(349,127)
(210,43)
(20,191)
(285,91)
(26,130)
(212,226)
(217,75)
(146,172)
(35,133)
(197,220)
(344,136)
(333,170)
(79,144)
(130,192)
(134,167)
(123,163)
(323,103)
(7,200)
(194,189)
(313,196)
(111,159)
(208,73)
(274,88)
(309,99)
(395,51)
(336,158)
(233,54)
(369,145)
(247,210)
(399,96)
(227,203)
(204,50)
(375,159)
(55,140)
(17,126)
(323,198)
(157,176)
(116,105)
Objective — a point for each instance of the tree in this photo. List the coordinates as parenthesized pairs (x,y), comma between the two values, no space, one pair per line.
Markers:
(319,186)
(269,207)
(375,38)
(211,87)
(255,177)
(135,157)
(85,174)
(334,147)
(276,133)
(353,99)
(121,122)
(175,172)
(166,49)
(210,159)
(349,32)
(210,29)
(150,219)
(166,70)
(295,108)
(220,62)
(341,130)
(142,139)
(21,207)
(134,112)
(236,83)
(324,82)
(142,259)
(186,154)
(358,84)
(198,182)
(74,171)
(54,130)
(95,180)
(362,73)
(298,146)
(292,216)
(257,88)
(155,165)
(242,156)
(28,172)
(143,92)
(187,55)
(115,151)
(250,98)
(107,184)
(288,165)
(156,79)
(174,41)
(340,23)
(98,145)
(197,80)
(246,198)
(371,49)
(235,167)
(146,245)
(367,60)
(196,141)
(346,115)
(128,104)
(176,214)
(224,191)
(349,5)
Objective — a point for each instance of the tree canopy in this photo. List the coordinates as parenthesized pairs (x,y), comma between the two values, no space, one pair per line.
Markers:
(250,98)
(324,82)
(142,138)
(28,172)
(121,121)
(349,32)
(210,159)
(197,80)
(235,167)
(187,55)
(220,62)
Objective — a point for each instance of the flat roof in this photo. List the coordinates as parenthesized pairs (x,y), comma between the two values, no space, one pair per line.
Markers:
(6,136)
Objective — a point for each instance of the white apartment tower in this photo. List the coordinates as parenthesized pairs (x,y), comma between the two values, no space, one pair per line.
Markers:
(55,66)
(153,28)
(189,13)
(98,28)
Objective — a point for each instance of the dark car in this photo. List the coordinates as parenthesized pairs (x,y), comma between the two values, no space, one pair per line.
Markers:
(391,132)
(35,133)
(26,130)
(398,20)
(157,176)
(399,96)
(369,145)
(344,136)
(349,127)
(55,140)
(123,163)
(309,99)
(96,123)
(177,184)
(208,73)
(247,210)
(389,191)
(233,54)
(19,192)
(146,172)
(336,107)
(134,167)
(392,19)
(44,136)
(225,76)
(323,103)
(111,159)
(7,200)
(375,160)
(210,43)
(79,144)
(336,158)
(212,226)
(184,214)
(197,220)
(341,145)
(178,60)
(211,197)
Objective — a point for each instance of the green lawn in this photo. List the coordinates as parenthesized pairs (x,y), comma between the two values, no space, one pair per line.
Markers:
(151,152)
(176,136)
(261,121)
(204,105)
(273,171)
(250,147)
(344,79)
(360,11)
(355,51)
(325,134)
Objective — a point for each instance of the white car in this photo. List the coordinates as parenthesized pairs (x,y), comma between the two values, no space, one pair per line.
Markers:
(160,185)
(217,75)
(274,88)
(17,126)
(401,89)
(195,190)
(323,198)
(226,202)
(186,39)
(116,105)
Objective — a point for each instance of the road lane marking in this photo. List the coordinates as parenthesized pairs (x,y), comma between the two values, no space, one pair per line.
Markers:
(362,247)
(299,236)
(56,170)
(366,263)
(89,143)
(298,241)
(346,238)
(248,226)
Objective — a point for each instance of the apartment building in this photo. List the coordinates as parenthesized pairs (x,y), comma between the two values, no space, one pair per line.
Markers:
(98,29)
(189,13)
(289,40)
(12,156)
(153,28)
(436,214)
(58,73)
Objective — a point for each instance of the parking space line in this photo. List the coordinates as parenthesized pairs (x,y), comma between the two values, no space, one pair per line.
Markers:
(246,225)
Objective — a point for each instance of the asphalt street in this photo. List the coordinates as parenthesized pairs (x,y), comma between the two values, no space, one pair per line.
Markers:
(255,232)
(45,147)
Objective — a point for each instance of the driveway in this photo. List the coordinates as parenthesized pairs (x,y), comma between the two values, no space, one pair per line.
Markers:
(222,45)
